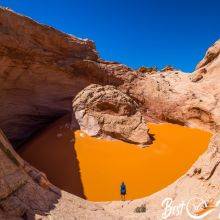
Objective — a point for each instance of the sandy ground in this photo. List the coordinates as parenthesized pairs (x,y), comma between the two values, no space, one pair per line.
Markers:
(93,168)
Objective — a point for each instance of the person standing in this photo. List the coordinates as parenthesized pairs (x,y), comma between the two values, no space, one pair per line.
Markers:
(123,191)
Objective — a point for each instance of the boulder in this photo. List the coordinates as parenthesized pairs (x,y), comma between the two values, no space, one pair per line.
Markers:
(107,112)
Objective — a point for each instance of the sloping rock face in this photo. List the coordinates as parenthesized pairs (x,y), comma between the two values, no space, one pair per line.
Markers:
(11,176)
(15,179)
(37,60)
(25,193)
(211,55)
(105,111)
(209,64)
(41,71)
(173,97)
(177,97)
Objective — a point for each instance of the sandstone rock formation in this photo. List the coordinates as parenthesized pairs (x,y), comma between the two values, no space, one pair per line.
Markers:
(25,193)
(35,59)
(14,180)
(209,64)
(167,68)
(105,111)
(149,70)
(211,55)
(41,71)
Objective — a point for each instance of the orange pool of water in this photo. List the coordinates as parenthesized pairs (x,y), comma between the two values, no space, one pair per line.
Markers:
(94,168)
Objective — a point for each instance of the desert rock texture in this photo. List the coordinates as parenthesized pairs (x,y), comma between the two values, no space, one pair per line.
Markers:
(104,111)
(42,71)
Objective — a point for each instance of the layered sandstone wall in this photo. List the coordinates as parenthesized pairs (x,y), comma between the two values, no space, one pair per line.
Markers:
(41,70)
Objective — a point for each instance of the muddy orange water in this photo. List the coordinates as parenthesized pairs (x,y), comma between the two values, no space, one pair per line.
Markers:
(94,168)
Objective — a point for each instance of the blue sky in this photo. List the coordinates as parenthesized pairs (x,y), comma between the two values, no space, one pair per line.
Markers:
(134,32)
